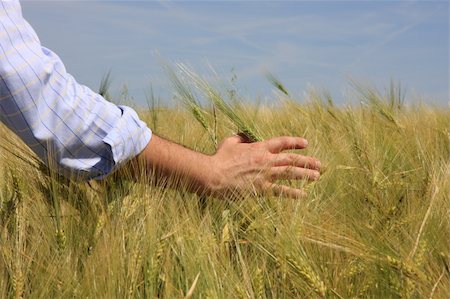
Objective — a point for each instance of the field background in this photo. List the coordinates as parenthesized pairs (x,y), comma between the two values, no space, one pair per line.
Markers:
(376,225)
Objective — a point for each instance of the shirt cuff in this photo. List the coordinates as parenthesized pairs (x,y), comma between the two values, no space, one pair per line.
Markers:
(127,139)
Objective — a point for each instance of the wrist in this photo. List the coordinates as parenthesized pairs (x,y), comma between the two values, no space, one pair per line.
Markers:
(212,181)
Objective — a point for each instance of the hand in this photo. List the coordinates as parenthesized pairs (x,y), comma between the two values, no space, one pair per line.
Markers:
(237,166)
(242,166)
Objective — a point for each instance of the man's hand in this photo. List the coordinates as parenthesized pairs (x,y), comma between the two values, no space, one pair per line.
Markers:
(243,166)
(237,166)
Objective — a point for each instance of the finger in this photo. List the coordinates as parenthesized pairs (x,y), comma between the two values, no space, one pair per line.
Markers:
(282,190)
(296,160)
(292,173)
(279,144)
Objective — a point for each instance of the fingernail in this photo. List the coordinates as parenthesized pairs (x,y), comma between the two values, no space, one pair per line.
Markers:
(305,142)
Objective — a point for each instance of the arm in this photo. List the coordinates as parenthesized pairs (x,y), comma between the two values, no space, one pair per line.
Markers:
(78,132)
(70,127)
(236,166)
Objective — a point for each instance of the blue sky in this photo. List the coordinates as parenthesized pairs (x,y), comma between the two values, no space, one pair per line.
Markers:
(320,44)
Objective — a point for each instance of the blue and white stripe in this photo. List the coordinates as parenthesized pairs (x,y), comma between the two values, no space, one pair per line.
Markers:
(65,123)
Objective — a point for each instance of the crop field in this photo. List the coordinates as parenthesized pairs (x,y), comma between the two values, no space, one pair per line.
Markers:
(376,224)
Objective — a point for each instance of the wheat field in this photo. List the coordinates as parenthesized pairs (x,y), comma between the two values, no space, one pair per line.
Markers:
(376,225)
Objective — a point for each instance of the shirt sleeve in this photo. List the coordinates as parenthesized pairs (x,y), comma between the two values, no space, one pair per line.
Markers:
(70,127)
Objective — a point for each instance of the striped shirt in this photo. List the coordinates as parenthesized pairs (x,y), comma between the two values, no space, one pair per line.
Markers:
(65,123)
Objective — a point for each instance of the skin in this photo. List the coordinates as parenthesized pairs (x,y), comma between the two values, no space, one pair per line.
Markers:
(237,165)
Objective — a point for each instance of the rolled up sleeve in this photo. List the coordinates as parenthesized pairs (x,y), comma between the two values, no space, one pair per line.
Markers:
(70,127)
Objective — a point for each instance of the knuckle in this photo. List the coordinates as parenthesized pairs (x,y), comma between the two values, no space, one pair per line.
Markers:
(258,159)
(294,159)
(285,141)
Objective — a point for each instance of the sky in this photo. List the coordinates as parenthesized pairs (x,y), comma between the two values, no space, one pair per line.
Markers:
(322,45)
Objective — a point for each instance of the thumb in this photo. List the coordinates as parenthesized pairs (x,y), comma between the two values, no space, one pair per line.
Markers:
(235,139)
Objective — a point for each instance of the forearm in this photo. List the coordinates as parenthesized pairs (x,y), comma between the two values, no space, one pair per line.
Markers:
(177,164)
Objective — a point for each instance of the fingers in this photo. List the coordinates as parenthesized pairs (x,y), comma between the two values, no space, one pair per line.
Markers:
(292,173)
(279,144)
(296,160)
(282,190)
